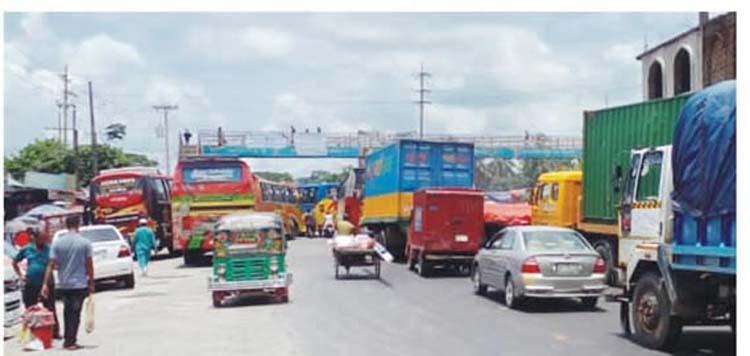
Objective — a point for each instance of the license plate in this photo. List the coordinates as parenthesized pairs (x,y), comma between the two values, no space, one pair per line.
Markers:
(462,238)
(567,268)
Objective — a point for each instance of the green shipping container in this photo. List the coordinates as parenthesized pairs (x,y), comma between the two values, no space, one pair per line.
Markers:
(609,135)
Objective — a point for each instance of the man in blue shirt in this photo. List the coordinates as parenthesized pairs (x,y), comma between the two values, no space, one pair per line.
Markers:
(71,255)
(36,255)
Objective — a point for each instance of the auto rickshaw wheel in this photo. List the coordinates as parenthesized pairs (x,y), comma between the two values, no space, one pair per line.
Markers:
(217,298)
(336,268)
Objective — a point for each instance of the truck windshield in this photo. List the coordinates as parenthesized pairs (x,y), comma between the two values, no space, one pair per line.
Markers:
(547,241)
(648,180)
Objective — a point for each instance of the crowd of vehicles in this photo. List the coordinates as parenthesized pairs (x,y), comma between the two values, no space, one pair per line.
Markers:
(656,199)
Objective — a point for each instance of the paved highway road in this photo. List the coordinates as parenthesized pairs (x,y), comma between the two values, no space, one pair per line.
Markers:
(170,313)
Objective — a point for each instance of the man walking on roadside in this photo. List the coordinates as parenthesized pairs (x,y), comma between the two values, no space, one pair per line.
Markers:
(71,255)
(143,241)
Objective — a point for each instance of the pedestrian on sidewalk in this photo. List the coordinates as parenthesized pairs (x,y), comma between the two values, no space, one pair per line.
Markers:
(144,241)
(37,256)
(71,255)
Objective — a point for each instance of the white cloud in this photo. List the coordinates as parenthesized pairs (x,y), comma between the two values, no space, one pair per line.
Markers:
(240,43)
(34,24)
(102,55)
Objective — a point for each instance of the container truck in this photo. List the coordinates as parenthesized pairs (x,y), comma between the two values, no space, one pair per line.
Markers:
(588,202)
(394,172)
(677,219)
(446,229)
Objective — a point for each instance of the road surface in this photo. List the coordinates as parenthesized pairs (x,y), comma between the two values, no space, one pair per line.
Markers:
(170,313)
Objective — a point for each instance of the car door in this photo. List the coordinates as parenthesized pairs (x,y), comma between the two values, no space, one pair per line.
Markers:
(504,255)
(492,265)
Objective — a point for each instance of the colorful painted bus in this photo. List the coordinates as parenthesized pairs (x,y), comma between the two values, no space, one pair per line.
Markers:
(124,195)
(311,194)
(204,190)
(283,199)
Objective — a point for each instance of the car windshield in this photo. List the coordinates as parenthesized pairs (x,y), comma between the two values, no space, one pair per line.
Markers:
(100,235)
(543,241)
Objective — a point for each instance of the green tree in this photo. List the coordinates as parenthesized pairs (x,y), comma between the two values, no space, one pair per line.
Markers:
(115,131)
(50,156)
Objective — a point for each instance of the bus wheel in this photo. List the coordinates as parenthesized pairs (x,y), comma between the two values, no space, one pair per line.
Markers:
(190,258)
(653,325)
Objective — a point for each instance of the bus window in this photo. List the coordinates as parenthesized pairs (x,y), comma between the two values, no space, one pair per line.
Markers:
(158,186)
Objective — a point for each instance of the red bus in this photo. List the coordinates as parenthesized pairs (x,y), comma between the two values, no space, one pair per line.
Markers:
(124,195)
(204,190)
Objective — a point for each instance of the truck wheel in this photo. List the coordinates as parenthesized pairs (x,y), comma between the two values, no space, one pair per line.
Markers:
(653,325)
(625,318)
(605,251)
(423,267)
(479,287)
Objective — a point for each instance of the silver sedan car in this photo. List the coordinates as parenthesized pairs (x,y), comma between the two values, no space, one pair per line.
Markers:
(539,262)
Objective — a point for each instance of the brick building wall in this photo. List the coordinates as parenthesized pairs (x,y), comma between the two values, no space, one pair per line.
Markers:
(720,49)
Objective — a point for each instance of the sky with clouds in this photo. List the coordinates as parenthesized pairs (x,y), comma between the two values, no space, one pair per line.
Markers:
(492,73)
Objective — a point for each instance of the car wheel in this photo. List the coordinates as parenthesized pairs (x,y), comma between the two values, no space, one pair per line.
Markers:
(129,281)
(479,288)
(653,326)
(511,299)
(590,302)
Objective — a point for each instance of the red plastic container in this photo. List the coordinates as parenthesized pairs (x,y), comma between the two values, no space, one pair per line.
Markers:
(44,334)
(41,323)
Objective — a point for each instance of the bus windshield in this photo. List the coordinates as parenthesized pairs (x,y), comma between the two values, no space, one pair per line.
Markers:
(119,186)
(211,174)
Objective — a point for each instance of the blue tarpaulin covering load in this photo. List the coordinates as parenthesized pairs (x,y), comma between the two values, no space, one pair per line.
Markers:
(704,153)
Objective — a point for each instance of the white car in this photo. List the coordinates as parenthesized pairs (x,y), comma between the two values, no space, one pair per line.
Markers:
(12,295)
(113,259)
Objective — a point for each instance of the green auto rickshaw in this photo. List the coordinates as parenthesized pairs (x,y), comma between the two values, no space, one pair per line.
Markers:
(249,257)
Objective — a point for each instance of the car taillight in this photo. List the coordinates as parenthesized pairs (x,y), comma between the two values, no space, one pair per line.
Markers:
(530,266)
(600,266)
(124,251)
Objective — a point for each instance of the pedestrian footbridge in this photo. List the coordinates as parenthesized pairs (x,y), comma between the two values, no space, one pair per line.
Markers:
(266,144)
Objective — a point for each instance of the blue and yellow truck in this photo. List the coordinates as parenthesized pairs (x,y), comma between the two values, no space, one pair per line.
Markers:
(394,172)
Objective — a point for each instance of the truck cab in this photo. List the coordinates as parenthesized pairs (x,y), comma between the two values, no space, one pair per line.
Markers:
(645,206)
(555,199)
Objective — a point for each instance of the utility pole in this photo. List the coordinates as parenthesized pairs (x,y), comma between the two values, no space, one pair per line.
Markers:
(75,150)
(94,163)
(64,131)
(165,109)
(422,102)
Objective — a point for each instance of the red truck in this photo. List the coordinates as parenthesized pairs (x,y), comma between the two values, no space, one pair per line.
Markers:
(446,229)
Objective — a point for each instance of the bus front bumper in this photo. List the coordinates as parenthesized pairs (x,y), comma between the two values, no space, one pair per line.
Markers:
(282,281)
